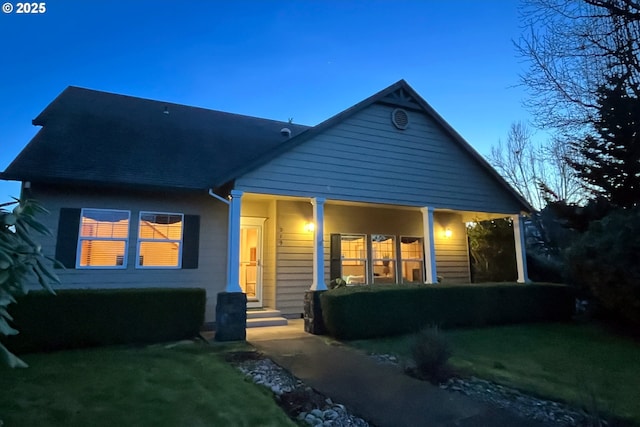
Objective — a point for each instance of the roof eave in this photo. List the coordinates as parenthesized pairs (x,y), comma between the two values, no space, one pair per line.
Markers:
(97,183)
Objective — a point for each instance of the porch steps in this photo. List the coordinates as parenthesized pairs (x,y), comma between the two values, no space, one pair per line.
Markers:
(258,318)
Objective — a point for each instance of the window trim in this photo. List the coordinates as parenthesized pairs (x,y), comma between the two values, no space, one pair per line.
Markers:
(393,260)
(81,238)
(141,240)
(365,260)
(403,260)
(369,260)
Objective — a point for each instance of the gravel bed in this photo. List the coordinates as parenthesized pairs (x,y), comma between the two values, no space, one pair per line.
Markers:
(298,400)
(304,403)
(549,412)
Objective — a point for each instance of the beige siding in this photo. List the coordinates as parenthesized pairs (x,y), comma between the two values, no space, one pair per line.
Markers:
(269,250)
(294,253)
(211,271)
(294,248)
(452,253)
(366,159)
(372,220)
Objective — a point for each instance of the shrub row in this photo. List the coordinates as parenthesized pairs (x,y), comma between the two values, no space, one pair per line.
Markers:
(377,311)
(85,318)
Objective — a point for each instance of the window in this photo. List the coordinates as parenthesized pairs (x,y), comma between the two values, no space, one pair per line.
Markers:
(160,240)
(99,238)
(353,249)
(103,238)
(411,254)
(383,252)
(378,258)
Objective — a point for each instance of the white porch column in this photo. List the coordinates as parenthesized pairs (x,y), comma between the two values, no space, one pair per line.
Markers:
(233,255)
(521,255)
(429,245)
(318,244)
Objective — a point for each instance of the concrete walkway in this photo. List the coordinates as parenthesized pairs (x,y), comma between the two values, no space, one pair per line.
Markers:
(381,394)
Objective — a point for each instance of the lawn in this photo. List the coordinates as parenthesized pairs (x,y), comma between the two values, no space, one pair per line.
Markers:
(567,362)
(187,385)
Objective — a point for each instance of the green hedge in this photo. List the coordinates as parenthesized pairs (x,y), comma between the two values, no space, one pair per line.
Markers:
(85,318)
(377,311)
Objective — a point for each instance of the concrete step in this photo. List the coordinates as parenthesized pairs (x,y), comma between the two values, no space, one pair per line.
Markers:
(259,322)
(263,312)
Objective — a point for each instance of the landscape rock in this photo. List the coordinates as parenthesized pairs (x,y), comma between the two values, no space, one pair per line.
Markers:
(301,402)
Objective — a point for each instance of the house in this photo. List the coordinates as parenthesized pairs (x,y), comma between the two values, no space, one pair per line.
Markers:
(146,193)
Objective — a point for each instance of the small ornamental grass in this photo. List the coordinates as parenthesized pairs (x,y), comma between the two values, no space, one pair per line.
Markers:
(431,352)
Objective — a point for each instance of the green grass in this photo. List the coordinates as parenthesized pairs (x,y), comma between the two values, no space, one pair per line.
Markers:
(567,362)
(187,385)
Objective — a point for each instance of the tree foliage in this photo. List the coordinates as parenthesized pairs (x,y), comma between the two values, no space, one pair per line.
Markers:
(492,249)
(605,260)
(535,170)
(609,160)
(571,47)
(21,259)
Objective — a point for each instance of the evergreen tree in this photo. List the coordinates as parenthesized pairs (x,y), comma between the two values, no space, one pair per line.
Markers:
(608,162)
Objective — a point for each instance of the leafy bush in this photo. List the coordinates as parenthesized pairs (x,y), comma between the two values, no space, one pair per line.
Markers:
(377,311)
(492,247)
(85,318)
(338,282)
(431,352)
(20,259)
(545,268)
(605,260)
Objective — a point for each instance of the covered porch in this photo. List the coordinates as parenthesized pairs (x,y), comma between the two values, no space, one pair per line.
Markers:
(282,246)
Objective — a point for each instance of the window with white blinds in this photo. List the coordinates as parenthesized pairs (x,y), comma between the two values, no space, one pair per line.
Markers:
(103,238)
(160,240)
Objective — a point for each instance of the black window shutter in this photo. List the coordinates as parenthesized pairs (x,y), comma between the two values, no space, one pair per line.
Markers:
(190,241)
(67,240)
(335,257)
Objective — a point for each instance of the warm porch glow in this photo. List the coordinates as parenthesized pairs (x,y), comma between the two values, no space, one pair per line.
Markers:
(448,233)
(309,227)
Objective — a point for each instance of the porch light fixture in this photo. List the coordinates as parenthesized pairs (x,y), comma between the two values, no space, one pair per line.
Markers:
(447,233)
(309,227)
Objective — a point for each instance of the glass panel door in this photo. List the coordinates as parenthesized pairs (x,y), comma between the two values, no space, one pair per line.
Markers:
(251,260)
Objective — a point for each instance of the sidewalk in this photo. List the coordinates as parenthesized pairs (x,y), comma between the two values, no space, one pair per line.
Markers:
(381,394)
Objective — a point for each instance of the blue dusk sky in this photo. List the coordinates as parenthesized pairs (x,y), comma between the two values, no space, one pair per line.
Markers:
(305,60)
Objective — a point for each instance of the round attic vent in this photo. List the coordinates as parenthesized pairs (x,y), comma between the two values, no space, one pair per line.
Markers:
(400,118)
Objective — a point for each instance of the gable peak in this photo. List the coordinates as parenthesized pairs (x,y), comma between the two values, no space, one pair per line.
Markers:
(401,97)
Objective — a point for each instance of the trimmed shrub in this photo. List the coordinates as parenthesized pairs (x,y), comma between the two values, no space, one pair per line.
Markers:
(431,353)
(77,318)
(377,311)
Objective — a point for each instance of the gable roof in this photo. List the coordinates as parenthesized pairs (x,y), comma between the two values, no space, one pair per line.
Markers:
(401,95)
(95,137)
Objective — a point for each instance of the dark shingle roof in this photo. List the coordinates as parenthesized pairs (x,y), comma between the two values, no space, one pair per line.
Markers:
(102,138)
(94,137)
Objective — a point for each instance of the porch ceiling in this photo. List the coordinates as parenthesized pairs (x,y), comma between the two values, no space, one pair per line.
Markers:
(467,216)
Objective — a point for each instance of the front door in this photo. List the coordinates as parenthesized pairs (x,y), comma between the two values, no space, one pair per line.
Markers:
(251,260)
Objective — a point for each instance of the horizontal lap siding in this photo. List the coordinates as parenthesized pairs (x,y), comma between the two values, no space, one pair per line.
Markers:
(211,271)
(452,254)
(294,250)
(269,251)
(294,256)
(366,159)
